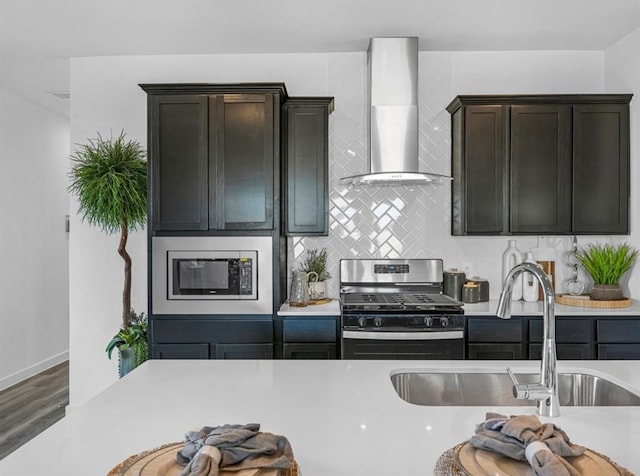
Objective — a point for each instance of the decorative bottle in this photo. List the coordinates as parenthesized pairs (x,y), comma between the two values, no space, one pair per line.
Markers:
(529,282)
(510,258)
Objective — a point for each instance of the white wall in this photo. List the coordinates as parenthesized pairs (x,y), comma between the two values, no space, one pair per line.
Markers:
(106,97)
(622,75)
(375,223)
(34,306)
(521,72)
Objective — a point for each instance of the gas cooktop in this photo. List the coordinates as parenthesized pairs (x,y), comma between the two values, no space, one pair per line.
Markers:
(397,299)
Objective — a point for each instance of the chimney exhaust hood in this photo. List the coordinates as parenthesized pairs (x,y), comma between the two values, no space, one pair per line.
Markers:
(393,116)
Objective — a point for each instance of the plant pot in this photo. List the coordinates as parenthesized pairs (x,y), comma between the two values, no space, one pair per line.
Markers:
(131,357)
(606,292)
(126,361)
(317,290)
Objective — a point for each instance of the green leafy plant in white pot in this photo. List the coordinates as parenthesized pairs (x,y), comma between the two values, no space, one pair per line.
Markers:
(109,178)
(606,264)
(315,265)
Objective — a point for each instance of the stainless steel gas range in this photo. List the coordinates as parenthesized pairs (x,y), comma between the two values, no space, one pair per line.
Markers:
(395,309)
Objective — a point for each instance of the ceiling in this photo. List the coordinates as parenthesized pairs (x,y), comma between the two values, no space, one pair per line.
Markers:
(38,36)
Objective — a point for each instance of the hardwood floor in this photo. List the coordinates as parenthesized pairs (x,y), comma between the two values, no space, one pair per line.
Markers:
(31,406)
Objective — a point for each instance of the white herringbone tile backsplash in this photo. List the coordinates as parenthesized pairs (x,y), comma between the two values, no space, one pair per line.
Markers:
(405,221)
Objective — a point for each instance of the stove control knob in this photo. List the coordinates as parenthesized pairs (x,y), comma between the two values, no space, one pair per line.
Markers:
(377,322)
(444,321)
(362,322)
(428,321)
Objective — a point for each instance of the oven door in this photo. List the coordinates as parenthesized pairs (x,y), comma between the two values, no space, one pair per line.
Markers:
(397,345)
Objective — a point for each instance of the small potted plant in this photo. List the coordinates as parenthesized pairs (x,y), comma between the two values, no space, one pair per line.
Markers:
(315,265)
(606,264)
(131,343)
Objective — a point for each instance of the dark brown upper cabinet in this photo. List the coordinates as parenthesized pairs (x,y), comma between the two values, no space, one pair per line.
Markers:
(214,156)
(542,164)
(306,165)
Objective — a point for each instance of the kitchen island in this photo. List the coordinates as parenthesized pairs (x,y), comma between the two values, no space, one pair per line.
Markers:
(341,417)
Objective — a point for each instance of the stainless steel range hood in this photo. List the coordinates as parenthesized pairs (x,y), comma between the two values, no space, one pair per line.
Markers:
(393,116)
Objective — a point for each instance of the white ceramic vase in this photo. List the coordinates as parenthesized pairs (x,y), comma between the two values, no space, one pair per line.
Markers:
(529,282)
(510,258)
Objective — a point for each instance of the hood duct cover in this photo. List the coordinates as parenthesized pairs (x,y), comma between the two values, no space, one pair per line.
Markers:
(393,116)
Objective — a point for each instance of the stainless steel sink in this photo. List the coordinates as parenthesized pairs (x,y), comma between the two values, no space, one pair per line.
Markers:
(495,389)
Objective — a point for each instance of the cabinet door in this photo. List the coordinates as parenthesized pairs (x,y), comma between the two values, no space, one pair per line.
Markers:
(307,199)
(310,351)
(244,351)
(494,352)
(179,157)
(618,351)
(540,200)
(484,168)
(601,168)
(565,351)
(241,144)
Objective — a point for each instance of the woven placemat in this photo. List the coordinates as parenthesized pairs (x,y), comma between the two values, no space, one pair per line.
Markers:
(465,460)
(162,461)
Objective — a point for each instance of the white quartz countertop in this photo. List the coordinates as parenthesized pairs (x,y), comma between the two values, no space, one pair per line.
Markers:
(329,309)
(522,308)
(341,417)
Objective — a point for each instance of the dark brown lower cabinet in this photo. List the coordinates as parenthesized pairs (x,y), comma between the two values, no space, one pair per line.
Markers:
(217,337)
(310,337)
(577,338)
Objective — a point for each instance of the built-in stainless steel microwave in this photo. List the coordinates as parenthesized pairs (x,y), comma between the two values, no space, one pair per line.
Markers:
(211,275)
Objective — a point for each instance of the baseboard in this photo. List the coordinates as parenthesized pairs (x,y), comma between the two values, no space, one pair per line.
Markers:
(35,369)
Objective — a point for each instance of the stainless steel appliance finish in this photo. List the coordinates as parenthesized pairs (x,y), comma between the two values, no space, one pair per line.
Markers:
(391,271)
(395,309)
(393,118)
(217,275)
(464,388)
(254,293)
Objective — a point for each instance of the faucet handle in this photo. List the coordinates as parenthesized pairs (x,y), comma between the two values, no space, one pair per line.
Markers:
(520,391)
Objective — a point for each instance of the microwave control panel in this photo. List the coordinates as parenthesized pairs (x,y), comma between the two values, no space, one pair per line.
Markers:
(246,276)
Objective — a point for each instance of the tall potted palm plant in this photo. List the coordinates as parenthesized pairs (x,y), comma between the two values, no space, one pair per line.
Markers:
(109,178)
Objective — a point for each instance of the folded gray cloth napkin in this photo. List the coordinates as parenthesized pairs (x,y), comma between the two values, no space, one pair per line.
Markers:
(525,438)
(233,447)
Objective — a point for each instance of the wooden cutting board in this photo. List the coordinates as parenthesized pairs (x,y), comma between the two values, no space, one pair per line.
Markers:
(162,462)
(584,300)
(481,462)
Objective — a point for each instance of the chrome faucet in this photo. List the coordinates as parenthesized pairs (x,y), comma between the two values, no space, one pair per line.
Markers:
(546,391)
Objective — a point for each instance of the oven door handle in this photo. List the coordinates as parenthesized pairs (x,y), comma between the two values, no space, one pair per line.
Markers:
(382,335)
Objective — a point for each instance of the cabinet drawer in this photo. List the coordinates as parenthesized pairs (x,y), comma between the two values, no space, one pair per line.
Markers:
(494,330)
(626,330)
(308,330)
(568,330)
